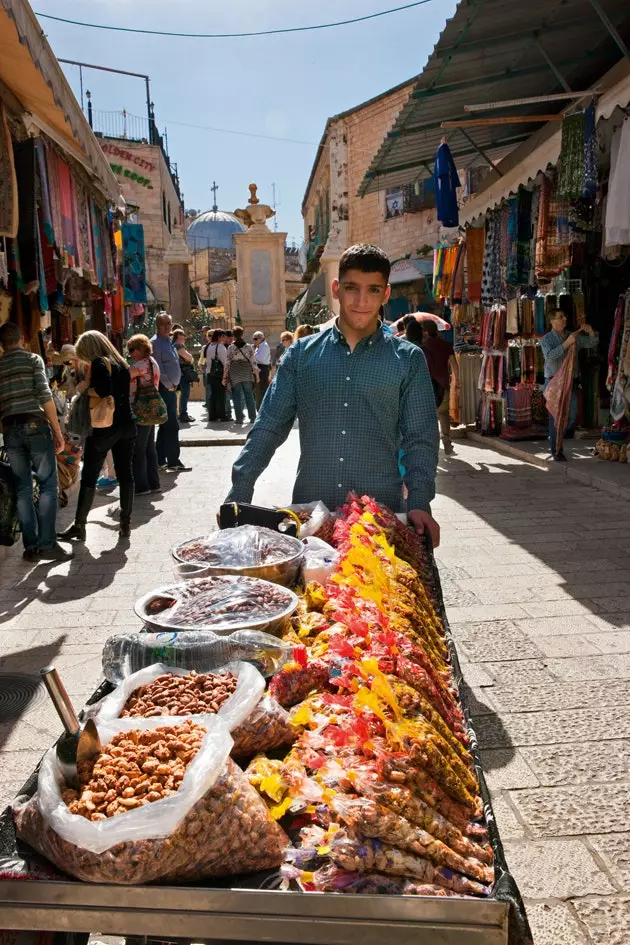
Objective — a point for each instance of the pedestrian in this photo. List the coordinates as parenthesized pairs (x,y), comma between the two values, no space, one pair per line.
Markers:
(145,375)
(286,340)
(303,331)
(189,374)
(229,400)
(216,364)
(32,438)
(555,347)
(263,360)
(201,364)
(442,364)
(167,444)
(242,373)
(108,378)
(360,395)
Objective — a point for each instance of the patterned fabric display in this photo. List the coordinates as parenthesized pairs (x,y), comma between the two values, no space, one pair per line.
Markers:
(8,181)
(134,278)
(491,278)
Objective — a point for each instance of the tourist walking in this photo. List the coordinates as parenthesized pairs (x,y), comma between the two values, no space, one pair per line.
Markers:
(242,373)
(263,360)
(286,340)
(216,364)
(189,374)
(149,410)
(113,428)
(167,443)
(32,438)
(441,362)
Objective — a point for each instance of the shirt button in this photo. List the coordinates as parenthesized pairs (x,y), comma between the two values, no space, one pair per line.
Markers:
(369,343)
(339,485)
(343,432)
(348,353)
(347,378)
(345,405)
(341,459)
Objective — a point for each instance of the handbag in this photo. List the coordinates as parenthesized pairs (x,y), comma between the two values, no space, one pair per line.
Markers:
(9,522)
(79,421)
(216,366)
(189,372)
(149,406)
(101,408)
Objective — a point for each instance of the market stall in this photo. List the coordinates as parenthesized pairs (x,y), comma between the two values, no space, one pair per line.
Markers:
(265,743)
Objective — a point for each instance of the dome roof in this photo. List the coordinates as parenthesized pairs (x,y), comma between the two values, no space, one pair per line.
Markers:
(213,229)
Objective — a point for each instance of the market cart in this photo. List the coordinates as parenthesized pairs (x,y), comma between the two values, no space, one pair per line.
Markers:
(254,908)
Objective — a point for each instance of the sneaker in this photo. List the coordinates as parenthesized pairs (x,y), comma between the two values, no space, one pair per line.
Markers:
(162,467)
(448,448)
(179,467)
(55,553)
(187,419)
(105,482)
(31,555)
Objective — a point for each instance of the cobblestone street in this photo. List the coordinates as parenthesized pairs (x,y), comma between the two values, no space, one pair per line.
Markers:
(535,573)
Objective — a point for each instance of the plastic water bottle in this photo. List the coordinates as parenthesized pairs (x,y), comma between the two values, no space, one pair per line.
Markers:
(200,650)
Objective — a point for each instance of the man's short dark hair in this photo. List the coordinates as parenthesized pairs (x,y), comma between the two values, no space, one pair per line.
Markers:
(365,258)
(10,334)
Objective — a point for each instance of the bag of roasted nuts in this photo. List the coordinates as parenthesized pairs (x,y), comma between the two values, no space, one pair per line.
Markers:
(165,804)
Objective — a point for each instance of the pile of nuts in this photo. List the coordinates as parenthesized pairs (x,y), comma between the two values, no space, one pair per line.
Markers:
(193,694)
(135,768)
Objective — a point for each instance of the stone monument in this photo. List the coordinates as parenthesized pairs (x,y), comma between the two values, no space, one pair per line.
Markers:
(260,271)
(178,259)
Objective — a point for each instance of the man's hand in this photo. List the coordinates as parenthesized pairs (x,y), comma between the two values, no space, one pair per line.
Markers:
(59,443)
(423,521)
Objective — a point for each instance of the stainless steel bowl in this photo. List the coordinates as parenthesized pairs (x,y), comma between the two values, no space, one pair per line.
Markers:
(284,572)
(274,623)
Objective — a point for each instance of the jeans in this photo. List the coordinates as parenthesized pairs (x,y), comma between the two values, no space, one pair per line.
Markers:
(240,392)
(145,464)
(216,407)
(184,395)
(573,406)
(30,449)
(167,444)
(121,441)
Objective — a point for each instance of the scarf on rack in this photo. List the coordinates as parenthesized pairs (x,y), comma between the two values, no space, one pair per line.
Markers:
(444,258)
(571,179)
(519,234)
(9,214)
(558,395)
(55,199)
(84,232)
(590,153)
(459,271)
(46,213)
(475,245)
(66,201)
(133,263)
(24,152)
(491,278)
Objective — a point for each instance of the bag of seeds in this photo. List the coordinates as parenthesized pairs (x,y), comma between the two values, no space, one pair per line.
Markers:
(164,804)
(161,694)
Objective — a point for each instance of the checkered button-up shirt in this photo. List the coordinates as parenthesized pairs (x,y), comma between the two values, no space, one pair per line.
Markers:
(356,411)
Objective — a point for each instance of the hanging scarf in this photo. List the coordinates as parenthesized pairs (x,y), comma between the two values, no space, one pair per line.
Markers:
(558,395)
(571,180)
(67,212)
(590,153)
(491,278)
(55,199)
(519,238)
(9,214)
(47,225)
(475,245)
(457,286)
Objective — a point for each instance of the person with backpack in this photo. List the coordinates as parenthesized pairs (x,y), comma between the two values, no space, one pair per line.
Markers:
(242,373)
(189,374)
(216,362)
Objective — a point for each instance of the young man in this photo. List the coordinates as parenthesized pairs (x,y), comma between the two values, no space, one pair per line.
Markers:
(167,443)
(555,345)
(263,360)
(360,396)
(32,437)
(441,361)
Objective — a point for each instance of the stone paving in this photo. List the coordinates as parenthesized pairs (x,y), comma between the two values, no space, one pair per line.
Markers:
(535,570)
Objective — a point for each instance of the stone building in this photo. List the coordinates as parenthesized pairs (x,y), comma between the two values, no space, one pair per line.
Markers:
(149,181)
(335,217)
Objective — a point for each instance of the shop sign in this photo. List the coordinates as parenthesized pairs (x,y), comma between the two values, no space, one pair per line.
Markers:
(132,175)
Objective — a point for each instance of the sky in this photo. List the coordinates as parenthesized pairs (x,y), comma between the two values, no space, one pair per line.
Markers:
(275,86)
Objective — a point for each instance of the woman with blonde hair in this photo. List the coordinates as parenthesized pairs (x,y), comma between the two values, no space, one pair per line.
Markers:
(108,377)
(145,374)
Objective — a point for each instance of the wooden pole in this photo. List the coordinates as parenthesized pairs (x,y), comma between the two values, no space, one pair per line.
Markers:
(503,120)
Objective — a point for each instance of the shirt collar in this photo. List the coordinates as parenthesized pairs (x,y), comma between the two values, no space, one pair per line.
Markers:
(369,339)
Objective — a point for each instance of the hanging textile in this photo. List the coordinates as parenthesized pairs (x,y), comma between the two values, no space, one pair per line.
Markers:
(475,246)
(558,395)
(618,380)
(491,278)
(618,204)
(459,271)
(590,153)
(48,260)
(527,325)
(444,258)
(133,263)
(9,215)
(446,180)
(66,200)
(518,407)
(553,249)
(531,280)
(46,213)
(55,198)
(84,233)
(27,238)
(519,234)
(511,325)
(571,180)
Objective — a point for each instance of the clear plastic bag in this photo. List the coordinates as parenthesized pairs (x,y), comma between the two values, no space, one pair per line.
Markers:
(246,546)
(267,726)
(320,561)
(249,691)
(215,825)
(316,516)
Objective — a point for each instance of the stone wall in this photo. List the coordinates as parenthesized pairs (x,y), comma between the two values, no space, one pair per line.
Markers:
(145,180)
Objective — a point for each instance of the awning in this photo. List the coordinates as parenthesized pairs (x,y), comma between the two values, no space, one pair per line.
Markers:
(317,288)
(409,270)
(31,72)
(493,51)
(543,149)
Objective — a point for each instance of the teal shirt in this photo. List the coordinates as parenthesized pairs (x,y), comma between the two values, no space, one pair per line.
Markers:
(356,411)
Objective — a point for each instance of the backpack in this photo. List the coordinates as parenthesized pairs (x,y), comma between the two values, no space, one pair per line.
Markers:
(216,365)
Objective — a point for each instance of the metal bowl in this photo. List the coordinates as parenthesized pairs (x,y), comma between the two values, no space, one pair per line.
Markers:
(284,572)
(163,620)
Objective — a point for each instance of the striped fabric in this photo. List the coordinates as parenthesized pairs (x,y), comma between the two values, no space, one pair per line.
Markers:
(23,384)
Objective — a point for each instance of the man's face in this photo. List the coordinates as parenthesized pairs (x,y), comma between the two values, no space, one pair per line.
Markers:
(360,296)
(165,326)
(559,323)
(223,339)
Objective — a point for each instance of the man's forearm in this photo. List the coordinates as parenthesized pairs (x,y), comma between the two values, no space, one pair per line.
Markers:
(51,415)
(253,459)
